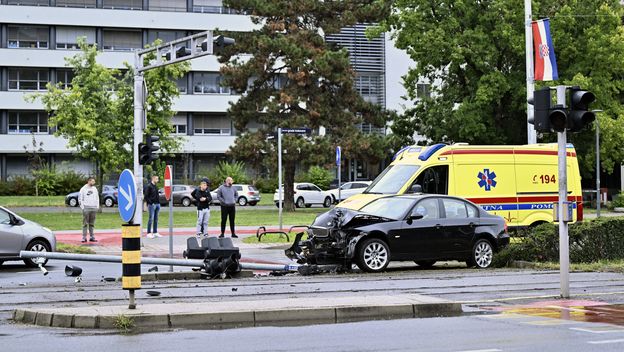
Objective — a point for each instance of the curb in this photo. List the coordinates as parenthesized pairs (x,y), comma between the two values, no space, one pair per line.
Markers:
(183,275)
(251,318)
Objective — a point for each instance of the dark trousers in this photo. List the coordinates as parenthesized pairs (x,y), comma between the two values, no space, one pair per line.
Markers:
(228,210)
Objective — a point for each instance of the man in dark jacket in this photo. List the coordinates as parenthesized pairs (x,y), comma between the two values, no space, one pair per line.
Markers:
(152,198)
(227,196)
(203,198)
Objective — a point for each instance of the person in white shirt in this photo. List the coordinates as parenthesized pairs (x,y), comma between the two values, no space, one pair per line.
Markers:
(89,200)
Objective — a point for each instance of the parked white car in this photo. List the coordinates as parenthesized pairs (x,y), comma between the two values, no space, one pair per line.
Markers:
(349,189)
(247,195)
(308,194)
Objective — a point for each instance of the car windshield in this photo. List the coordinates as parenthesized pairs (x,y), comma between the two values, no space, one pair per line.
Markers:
(392,208)
(392,179)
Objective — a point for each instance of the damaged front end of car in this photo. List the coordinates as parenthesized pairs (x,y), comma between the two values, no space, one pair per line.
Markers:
(332,239)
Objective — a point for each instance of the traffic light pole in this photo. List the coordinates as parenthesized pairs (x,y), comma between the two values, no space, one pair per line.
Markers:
(528,37)
(564,244)
(139,115)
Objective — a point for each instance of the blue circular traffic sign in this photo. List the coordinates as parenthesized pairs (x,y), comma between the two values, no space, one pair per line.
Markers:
(127,195)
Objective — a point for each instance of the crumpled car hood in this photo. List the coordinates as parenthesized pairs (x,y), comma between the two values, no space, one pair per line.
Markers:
(346,218)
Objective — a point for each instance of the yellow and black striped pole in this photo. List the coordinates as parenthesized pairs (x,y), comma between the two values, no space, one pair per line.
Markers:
(131,259)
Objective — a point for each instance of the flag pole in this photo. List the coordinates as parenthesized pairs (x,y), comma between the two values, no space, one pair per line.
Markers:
(528,33)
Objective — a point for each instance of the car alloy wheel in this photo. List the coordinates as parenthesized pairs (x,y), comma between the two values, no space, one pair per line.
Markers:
(186,202)
(300,203)
(109,202)
(482,254)
(36,246)
(327,203)
(242,201)
(73,202)
(374,255)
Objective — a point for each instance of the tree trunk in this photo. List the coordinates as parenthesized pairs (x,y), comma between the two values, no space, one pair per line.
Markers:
(289,182)
(99,180)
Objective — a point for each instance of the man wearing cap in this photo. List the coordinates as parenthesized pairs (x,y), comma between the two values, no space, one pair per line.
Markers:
(203,198)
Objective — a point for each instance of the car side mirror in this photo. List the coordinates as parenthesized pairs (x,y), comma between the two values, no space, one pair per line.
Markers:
(416,188)
(416,216)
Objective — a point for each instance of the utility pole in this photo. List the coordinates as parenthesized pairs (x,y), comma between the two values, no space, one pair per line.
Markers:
(280,187)
(528,41)
(564,243)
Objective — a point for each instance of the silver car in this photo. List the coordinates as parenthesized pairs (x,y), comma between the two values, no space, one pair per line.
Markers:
(18,234)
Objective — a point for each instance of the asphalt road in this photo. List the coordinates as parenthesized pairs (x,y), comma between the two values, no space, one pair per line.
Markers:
(483,333)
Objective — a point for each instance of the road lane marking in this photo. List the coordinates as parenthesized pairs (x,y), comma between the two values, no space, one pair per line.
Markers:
(599,329)
(602,342)
(549,322)
(488,350)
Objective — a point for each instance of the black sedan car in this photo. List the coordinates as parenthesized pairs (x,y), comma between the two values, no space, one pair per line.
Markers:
(420,228)
(108,197)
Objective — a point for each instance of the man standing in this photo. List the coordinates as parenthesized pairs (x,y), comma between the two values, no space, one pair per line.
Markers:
(89,200)
(152,198)
(203,198)
(227,196)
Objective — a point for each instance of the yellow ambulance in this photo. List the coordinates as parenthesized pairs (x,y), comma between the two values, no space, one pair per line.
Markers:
(519,183)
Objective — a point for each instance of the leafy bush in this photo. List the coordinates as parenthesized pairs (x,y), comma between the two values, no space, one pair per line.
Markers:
(600,239)
(235,170)
(266,185)
(618,201)
(319,176)
(20,186)
(46,182)
(70,181)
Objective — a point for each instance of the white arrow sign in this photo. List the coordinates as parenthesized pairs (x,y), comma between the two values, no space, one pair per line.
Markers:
(128,197)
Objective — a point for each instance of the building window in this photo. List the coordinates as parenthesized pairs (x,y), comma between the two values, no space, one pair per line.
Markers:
(423,91)
(28,2)
(24,122)
(179,124)
(123,4)
(67,37)
(164,36)
(208,6)
(76,3)
(28,37)
(28,79)
(64,78)
(168,5)
(182,83)
(122,40)
(208,83)
(217,125)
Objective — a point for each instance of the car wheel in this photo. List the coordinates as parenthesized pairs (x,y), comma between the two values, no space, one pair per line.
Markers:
(109,202)
(327,203)
(73,202)
(186,202)
(300,203)
(425,263)
(373,255)
(36,246)
(334,200)
(242,201)
(482,254)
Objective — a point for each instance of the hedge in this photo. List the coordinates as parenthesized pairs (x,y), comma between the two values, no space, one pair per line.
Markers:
(590,241)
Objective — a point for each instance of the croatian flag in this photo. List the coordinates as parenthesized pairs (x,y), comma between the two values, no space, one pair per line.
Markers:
(545,62)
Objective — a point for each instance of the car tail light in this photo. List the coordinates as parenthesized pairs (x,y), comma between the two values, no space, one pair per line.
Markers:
(250,193)
(579,211)
(115,194)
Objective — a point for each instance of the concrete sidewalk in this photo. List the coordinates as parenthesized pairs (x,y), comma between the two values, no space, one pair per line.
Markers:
(216,315)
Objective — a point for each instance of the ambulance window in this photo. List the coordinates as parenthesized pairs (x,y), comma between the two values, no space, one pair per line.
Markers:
(433,180)
(392,179)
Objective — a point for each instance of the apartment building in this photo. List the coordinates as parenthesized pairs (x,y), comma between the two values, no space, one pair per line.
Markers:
(37,35)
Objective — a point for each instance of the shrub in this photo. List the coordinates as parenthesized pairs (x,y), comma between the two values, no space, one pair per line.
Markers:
(266,185)
(46,182)
(319,176)
(590,241)
(70,181)
(235,170)
(20,186)
(618,201)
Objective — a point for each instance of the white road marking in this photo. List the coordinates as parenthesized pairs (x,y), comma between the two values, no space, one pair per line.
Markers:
(599,330)
(601,342)
(489,350)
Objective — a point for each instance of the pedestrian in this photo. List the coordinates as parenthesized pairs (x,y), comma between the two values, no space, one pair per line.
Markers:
(203,198)
(227,196)
(89,201)
(152,198)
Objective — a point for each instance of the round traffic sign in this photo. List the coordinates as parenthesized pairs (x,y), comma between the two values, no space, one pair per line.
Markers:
(168,176)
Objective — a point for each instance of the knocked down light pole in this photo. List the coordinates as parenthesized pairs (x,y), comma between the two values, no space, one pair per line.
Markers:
(564,243)
(148,260)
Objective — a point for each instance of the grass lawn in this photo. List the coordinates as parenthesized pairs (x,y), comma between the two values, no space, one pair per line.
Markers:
(72,248)
(272,238)
(32,201)
(602,265)
(257,217)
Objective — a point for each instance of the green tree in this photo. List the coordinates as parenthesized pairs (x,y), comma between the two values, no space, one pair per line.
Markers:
(95,114)
(295,79)
(475,50)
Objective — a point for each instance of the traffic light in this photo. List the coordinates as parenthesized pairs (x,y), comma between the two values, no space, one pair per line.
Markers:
(220,42)
(147,149)
(580,115)
(546,117)
(180,51)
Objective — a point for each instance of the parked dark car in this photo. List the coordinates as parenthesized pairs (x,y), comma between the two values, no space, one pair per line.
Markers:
(108,197)
(420,228)
(181,195)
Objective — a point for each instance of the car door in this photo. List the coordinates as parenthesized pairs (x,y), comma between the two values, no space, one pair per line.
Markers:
(344,191)
(356,188)
(11,236)
(417,238)
(316,194)
(458,227)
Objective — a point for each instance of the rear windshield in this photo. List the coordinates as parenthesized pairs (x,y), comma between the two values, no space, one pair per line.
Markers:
(392,208)
(251,188)
(392,179)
